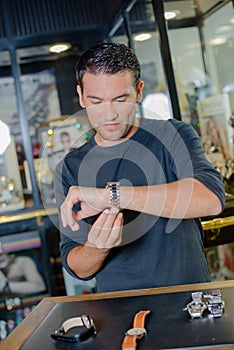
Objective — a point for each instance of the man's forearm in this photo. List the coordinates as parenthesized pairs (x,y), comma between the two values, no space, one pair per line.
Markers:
(187,198)
(85,261)
(182,199)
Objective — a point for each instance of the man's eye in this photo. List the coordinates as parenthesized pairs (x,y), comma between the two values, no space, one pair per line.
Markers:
(121,100)
(96,102)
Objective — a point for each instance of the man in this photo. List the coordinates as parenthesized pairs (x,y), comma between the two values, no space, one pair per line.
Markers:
(143,230)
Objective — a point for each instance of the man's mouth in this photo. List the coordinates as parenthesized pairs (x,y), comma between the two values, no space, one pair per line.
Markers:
(110,126)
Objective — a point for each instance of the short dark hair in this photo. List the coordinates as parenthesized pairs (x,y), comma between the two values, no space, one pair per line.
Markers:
(108,58)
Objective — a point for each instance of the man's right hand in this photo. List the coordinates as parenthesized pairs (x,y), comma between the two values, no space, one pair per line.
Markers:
(106,232)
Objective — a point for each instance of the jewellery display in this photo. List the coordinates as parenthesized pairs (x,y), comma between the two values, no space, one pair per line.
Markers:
(137,332)
(81,321)
(211,301)
(114,194)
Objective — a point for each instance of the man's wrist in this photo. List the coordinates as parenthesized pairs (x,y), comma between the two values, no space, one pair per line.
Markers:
(91,248)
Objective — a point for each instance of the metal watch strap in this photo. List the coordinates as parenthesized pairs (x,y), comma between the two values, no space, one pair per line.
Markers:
(137,332)
(114,194)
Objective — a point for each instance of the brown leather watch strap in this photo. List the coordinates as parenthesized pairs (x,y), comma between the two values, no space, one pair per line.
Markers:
(137,332)
(129,342)
(139,319)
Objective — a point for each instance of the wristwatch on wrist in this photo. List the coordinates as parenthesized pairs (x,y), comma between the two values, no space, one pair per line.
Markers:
(137,332)
(83,321)
(114,194)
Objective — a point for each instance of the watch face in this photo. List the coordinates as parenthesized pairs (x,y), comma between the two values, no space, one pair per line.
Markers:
(136,332)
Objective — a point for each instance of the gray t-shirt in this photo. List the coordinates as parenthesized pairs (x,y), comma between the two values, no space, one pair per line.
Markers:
(155,251)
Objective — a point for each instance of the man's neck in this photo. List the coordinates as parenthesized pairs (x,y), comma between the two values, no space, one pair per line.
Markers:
(108,143)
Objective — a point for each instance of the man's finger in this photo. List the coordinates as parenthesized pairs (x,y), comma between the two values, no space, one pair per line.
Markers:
(115,238)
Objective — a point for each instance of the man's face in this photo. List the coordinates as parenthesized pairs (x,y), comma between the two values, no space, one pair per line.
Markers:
(110,100)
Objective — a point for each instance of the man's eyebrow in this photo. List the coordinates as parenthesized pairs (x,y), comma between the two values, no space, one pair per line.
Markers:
(96,97)
(115,98)
(122,95)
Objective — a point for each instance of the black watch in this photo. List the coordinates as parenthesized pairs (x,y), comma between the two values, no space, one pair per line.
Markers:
(83,321)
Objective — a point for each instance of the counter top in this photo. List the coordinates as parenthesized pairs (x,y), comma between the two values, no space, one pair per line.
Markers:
(28,331)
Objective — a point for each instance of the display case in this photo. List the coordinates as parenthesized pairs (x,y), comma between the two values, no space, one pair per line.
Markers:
(23,279)
(11,191)
(216,131)
(56,138)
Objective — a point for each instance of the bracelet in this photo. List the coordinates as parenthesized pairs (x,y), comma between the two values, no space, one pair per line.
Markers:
(114,194)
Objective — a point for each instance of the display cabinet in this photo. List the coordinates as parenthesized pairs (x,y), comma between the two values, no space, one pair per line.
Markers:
(11,190)
(30,265)
(56,138)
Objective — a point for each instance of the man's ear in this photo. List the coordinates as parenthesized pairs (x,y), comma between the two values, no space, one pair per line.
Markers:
(139,90)
(79,92)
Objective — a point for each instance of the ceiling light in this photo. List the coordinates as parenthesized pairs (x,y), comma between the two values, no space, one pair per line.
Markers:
(218,41)
(143,37)
(171,14)
(57,48)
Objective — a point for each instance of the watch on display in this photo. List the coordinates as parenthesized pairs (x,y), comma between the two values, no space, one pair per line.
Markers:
(197,306)
(137,332)
(63,334)
(215,304)
(210,301)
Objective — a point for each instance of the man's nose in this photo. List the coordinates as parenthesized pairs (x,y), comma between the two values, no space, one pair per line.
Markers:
(110,111)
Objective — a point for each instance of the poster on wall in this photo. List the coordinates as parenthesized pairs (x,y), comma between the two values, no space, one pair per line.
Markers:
(216,132)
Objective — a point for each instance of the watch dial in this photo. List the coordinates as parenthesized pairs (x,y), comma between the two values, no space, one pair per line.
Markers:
(136,331)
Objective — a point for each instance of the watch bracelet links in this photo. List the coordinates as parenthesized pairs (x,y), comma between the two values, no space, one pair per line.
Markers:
(114,193)
(130,342)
